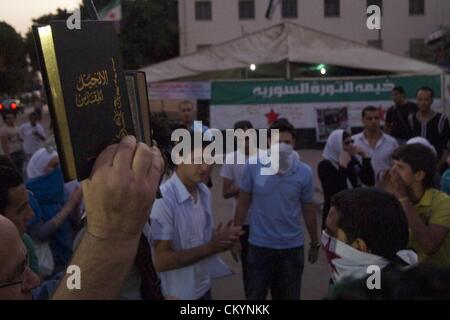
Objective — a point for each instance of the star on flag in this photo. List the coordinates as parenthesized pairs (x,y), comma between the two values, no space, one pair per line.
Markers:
(272,116)
(330,255)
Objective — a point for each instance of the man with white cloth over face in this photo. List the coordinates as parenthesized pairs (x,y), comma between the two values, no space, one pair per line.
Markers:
(275,204)
(366,231)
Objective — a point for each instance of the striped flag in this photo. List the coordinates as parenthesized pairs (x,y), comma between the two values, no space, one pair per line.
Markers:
(271,8)
(111,12)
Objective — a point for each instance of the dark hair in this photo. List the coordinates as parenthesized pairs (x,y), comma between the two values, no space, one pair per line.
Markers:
(419,158)
(345,135)
(374,216)
(426,89)
(421,282)
(8,112)
(369,109)
(283,125)
(9,178)
(6,162)
(399,90)
(244,125)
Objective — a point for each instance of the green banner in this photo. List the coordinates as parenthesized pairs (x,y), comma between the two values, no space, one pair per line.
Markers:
(307,91)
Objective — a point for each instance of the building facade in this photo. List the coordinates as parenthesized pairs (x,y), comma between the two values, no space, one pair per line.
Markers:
(405,26)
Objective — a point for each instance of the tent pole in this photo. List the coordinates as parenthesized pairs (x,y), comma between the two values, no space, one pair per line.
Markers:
(288,70)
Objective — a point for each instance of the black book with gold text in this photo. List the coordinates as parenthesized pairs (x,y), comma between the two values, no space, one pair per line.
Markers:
(86,90)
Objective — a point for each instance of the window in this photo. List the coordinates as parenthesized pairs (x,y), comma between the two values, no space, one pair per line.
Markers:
(246,9)
(378,3)
(203,10)
(375,43)
(416,7)
(289,8)
(419,50)
(332,8)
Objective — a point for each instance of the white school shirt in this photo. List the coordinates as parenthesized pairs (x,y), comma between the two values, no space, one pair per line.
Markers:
(381,154)
(31,143)
(172,218)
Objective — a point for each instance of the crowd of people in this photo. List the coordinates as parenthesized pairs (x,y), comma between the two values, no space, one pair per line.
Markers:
(385,204)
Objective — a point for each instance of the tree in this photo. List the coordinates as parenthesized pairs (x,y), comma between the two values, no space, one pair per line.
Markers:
(12,60)
(149,31)
(61,14)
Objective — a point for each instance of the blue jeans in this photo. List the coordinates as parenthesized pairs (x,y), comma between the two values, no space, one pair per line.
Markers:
(244,252)
(277,270)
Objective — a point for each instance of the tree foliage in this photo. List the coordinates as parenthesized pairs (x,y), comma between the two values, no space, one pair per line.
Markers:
(148,32)
(12,60)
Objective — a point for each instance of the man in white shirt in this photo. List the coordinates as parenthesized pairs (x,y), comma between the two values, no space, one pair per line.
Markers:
(32,134)
(185,244)
(377,145)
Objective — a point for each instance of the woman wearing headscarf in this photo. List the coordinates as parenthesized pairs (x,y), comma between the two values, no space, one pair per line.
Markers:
(52,206)
(341,168)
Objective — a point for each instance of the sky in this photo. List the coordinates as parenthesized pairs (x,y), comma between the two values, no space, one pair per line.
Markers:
(19,13)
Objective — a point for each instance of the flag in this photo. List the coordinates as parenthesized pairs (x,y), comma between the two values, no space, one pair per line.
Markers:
(271,8)
(111,12)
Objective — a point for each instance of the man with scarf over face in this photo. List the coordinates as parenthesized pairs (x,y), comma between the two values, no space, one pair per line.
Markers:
(275,203)
(365,227)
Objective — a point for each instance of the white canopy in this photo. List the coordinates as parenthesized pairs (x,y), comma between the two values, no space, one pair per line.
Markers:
(286,41)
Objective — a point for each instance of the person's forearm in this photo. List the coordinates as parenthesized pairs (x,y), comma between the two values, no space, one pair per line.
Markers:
(420,231)
(44,231)
(171,259)
(241,212)
(41,137)
(310,217)
(62,215)
(104,265)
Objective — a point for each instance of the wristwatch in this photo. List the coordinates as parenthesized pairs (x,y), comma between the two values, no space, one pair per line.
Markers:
(315,245)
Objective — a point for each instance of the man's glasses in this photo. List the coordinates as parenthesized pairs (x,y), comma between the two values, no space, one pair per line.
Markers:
(22,272)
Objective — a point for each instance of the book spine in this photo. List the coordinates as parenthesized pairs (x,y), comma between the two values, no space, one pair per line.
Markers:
(50,72)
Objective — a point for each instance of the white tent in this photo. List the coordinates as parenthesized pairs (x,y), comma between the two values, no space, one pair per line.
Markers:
(291,42)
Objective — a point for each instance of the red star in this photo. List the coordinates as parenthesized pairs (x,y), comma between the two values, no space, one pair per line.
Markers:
(330,255)
(272,116)
(112,16)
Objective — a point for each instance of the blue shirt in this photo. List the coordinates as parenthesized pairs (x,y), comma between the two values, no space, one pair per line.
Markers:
(276,205)
(172,218)
(47,199)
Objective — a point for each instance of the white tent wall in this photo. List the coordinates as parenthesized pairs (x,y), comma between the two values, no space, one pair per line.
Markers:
(287,41)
